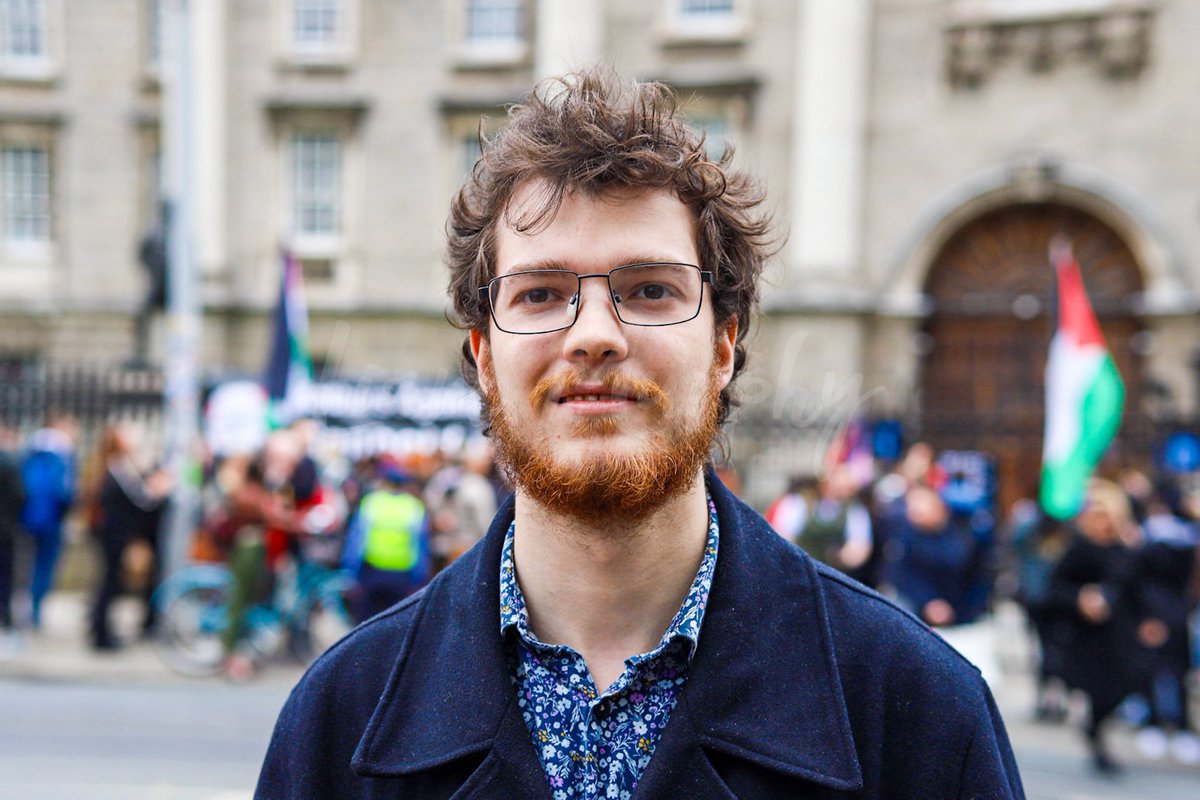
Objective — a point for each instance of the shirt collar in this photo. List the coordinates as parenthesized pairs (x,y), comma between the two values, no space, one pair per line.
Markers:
(685,625)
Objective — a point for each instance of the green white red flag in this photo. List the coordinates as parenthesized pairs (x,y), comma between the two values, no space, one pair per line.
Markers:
(1084,394)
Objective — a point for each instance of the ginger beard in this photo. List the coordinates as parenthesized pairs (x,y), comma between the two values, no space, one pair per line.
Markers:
(609,486)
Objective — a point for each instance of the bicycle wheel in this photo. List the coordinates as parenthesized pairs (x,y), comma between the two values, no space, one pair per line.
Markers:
(319,624)
(191,626)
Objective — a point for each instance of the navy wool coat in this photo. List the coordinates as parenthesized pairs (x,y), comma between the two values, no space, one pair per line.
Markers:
(804,685)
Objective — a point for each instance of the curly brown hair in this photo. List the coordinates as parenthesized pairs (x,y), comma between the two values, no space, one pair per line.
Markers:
(590,132)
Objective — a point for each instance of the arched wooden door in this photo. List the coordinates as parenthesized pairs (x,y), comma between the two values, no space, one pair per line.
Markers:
(994,306)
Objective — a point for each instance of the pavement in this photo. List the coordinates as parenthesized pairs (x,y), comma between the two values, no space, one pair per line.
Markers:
(60,651)
(1052,757)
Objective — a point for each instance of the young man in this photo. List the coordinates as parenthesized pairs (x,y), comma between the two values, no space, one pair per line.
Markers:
(627,628)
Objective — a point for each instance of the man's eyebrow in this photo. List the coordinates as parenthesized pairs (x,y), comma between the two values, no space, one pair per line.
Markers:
(554,263)
(539,264)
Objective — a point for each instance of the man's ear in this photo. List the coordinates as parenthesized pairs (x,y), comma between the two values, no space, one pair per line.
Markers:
(725,349)
(481,351)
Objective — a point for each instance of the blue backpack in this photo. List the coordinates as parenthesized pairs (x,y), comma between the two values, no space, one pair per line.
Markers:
(47,494)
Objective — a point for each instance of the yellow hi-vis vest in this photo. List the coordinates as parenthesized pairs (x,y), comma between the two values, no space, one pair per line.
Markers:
(392,530)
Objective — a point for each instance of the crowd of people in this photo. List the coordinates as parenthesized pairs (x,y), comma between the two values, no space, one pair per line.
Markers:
(389,521)
(1110,594)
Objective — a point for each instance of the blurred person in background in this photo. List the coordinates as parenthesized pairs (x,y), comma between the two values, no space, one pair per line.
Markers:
(387,543)
(789,512)
(837,530)
(1091,586)
(292,472)
(48,469)
(254,507)
(12,498)
(933,561)
(1164,576)
(126,509)
(461,502)
(1038,543)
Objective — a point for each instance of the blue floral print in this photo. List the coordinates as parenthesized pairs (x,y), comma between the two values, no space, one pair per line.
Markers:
(592,744)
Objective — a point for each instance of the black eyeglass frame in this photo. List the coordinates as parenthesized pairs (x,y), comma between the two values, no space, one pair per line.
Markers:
(485,294)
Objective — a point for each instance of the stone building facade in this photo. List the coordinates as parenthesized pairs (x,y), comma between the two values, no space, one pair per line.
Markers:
(919,155)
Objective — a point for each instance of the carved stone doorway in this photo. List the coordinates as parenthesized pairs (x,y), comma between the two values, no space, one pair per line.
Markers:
(994,297)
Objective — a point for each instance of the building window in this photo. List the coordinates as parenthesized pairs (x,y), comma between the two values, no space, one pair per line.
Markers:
(23,23)
(319,33)
(706,8)
(25,41)
(154,33)
(469,152)
(316,184)
(717,133)
(491,21)
(700,21)
(316,24)
(26,175)
(493,32)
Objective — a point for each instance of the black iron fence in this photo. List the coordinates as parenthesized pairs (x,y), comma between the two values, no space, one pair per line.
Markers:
(92,393)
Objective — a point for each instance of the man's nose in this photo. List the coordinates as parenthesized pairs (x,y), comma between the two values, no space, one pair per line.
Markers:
(598,333)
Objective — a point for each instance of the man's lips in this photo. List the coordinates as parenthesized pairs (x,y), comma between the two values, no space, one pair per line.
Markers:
(596,400)
(597,397)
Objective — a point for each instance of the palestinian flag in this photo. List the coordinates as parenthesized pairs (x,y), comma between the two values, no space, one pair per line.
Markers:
(1084,394)
(289,372)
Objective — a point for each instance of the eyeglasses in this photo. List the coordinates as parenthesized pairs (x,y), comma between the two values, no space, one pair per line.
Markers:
(546,300)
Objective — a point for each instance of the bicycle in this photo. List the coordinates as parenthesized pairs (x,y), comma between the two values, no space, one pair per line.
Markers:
(307,610)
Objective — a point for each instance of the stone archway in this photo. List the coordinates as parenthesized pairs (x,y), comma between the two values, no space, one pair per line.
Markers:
(993,297)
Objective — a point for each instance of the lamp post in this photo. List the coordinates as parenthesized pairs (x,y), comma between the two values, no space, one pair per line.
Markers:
(181,394)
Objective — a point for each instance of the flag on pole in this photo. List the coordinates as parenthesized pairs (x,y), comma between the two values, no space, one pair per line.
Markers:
(289,370)
(1084,394)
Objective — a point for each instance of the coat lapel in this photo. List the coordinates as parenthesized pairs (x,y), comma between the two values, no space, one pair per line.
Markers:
(764,700)
(450,698)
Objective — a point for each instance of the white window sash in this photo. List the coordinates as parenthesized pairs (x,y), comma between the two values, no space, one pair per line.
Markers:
(707,9)
(495,22)
(317,25)
(316,185)
(25,172)
(23,35)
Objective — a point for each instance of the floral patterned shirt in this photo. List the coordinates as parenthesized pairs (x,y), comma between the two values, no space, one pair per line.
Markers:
(592,744)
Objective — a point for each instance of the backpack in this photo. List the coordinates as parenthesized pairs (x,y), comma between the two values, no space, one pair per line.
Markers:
(45,477)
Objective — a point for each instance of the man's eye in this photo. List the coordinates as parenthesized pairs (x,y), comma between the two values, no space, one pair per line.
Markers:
(652,291)
(536,296)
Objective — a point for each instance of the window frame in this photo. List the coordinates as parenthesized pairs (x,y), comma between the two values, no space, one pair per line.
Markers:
(41,246)
(679,26)
(337,53)
(316,243)
(44,67)
(491,52)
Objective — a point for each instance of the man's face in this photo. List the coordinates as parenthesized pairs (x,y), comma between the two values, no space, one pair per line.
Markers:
(603,402)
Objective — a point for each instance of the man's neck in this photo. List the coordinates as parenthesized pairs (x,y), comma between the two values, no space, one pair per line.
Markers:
(608,591)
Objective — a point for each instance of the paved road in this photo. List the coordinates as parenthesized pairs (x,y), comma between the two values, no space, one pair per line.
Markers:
(62,741)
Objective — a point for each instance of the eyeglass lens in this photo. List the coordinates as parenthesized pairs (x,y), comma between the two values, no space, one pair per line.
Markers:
(644,294)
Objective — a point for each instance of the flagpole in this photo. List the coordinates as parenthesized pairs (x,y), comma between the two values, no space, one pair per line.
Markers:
(181,393)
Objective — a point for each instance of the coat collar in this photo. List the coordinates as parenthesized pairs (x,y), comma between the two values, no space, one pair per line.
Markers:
(777,703)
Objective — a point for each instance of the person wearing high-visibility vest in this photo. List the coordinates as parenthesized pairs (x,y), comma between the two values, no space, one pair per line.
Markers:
(387,546)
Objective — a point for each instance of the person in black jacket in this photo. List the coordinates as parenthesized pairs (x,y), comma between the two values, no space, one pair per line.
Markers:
(1091,586)
(128,506)
(12,498)
(1165,570)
